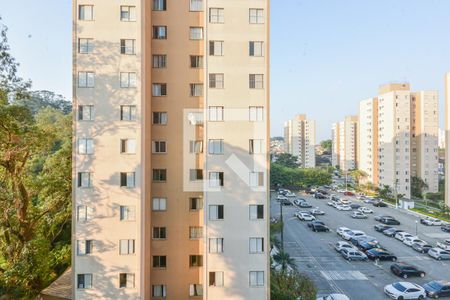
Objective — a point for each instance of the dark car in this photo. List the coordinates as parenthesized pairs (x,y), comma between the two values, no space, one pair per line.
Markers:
(380,254)
(378,218)
(391,232)
(389,221)
(366,246)
(422,248)
(406,270)
(309,191)
(310,224)
(381,227)
(319,228)
(379,204)
(319,196)
(322,191)
(355,205)
(286,202)
(305,205)
(363,238)
(437,288)
(445,228)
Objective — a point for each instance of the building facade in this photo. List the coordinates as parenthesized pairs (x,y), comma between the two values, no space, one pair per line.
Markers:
(345,143)
(368,139)
(335,144)
(171,139)
(300,140)
(447,136)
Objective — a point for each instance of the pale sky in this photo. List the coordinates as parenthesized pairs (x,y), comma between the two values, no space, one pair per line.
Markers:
(326,55)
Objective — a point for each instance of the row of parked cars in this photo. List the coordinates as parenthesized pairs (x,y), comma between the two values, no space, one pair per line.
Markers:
(408,290)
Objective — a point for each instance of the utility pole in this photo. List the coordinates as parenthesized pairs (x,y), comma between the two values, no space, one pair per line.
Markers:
(282,226)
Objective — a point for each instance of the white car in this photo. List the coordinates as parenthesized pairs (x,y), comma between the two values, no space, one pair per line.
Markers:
(343,207)
(345,201)
(433,222)
(330,203)
(439,254)
(409,241)
(291,194)
(304,216)
(340,191)
(405,290)
(402,235)
(352,233)
(365,210)
(281,197)
(339,246)
(358,215)
(340,230)
(445,245)
(334,297)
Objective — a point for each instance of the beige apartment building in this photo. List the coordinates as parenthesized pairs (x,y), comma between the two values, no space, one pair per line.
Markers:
(368,139)
(171,139)
(300,140)
(345,143)
(447,137)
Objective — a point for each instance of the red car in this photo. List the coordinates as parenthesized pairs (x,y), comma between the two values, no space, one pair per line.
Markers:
(349,194)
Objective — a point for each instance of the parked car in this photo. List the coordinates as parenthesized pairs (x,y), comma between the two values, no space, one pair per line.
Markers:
(317,212)
(422,220)
(381,227)
(433,222)
(339,246)
(322,191)
(330,203)
(354,254)
(352,233)
(319,196)
(355,206)
(444,244)
(405,290)
(437,288)
(334,297)
(366,246)
(445,228)
(345,201)
(380,254)
(309,191)
(281,197)
(379,203)
(391,232)
(365,210)
(305,205)
(439,254)
(389,221)
(341,230)
(363,238)
(304,216)
(298,201)
(310,224)
(406,270)
(358,215)
(422,248)
(369,200)
(286,202)
(379,217)
(402,235)
(343,207)
(334,198)
(340,191)
(290,194)
(319,228)
(413,240)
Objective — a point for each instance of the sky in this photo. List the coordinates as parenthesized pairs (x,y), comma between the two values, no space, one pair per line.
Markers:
(326,55)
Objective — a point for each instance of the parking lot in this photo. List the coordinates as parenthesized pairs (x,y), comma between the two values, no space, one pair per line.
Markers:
(315,255)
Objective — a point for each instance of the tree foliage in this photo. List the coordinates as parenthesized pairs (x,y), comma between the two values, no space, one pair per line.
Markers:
(418,186)
(300,178)
(291,285)
(326,145)
(287,160)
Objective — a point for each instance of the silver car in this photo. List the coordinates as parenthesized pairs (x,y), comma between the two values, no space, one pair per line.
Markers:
(439,254)
(352,254)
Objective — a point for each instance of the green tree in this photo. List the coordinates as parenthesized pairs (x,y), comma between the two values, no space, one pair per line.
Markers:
(326,145)
(38,100)
(291,285)
(287,160)
(284,260)
(358,175)
(418,186)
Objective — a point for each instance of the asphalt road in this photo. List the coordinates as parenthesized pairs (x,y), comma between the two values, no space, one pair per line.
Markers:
(315,255)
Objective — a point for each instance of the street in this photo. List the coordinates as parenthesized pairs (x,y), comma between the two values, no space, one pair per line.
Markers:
(315,255)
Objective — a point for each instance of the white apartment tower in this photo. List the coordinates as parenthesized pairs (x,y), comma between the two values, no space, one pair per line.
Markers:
(368,139)
(345,143)
(447,138)
(335,144)
(300,140)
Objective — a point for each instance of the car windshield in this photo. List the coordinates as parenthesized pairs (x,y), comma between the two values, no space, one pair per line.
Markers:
(435,285)
(399,286)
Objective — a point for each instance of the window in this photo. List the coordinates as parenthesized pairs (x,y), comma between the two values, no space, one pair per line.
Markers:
(216,113)
(159,291)
(215,278)
(128,80)
(256,81)
(195,174)
(126,247)
(216,179)
(84,281)
(84,179)
(256,16)
(216,147)
(256,245)
(216,212)
(86,112)
(159,147)
(127,112)
(195,232)
(196,147)
(85,247)
(85,46)
(256,278)
(85,146)
(196,61)
(195,260)
(196,33)
(256,49)
(195,204)
(256,212)
(216,48)
(216,245)
(128,146)
(86,79)
(196,89)
(159,32)
(84,213)
(86,12)
(159,5)
(126,280)
(128,13)
(256,179)
(159,204)
(195,290)
(159,175)
(216,81)
(127,213)
(159,233)
(159,61)
(160,118)
(159,261)
(127,179)
(256,113)
(216,15)
(196,5)
(256,146)
(159,89)
(128,47)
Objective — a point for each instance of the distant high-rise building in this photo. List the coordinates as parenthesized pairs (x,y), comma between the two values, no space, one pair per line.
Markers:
(447,138)
(368,139)
(300,140)
(345,143)
(442,139)
(335,143)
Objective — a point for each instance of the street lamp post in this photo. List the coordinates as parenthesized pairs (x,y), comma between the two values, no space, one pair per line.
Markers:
(416,227)
(282,226)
